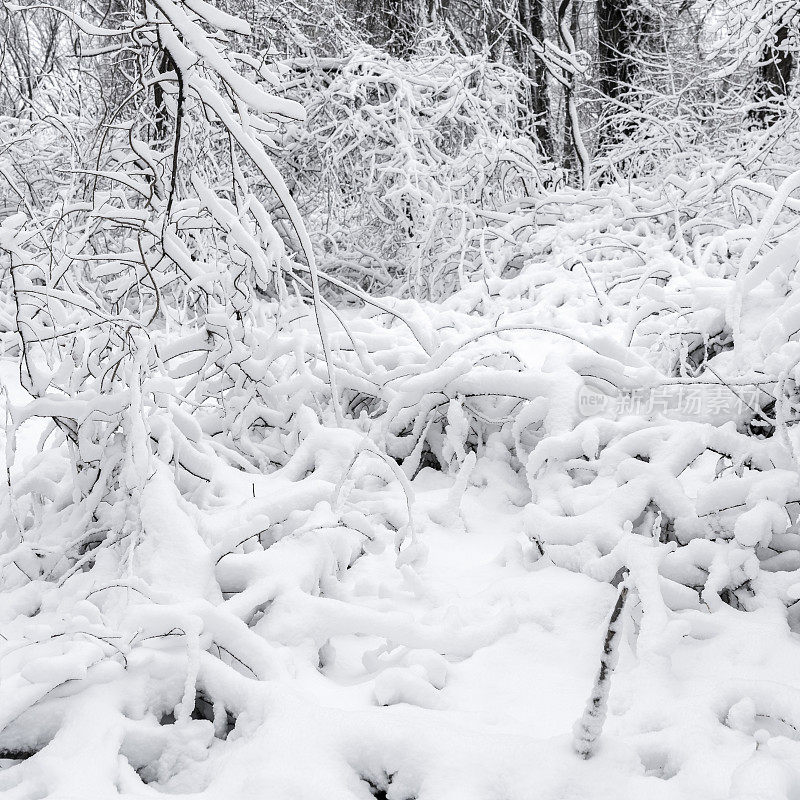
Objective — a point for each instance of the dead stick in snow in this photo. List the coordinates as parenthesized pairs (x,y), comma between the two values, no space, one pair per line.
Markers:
(588,728)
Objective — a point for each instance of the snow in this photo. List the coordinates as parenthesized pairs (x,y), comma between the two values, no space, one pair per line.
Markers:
(459,677)
(528,531)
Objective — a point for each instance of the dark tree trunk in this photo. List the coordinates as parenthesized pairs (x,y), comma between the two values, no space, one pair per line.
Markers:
(613,46)
(621,28)
(161,116)
(571,161)
(541,103)
(774,74)
(536,104)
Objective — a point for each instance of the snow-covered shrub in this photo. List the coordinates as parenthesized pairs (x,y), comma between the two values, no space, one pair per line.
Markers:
(137,295)
(400,162)
(704,447)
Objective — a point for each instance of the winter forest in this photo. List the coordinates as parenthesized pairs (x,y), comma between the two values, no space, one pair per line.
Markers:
(400,399)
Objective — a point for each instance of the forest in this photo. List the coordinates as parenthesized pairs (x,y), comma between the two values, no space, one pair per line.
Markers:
(400,399)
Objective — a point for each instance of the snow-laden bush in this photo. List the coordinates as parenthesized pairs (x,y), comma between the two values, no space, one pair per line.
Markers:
(689,429)
(400,161)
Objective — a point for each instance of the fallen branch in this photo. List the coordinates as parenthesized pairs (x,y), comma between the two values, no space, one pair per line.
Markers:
(589,727)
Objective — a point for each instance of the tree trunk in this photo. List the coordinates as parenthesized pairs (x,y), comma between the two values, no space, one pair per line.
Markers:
(536,103)
(621,27)
(774,74)
(540,99)
(566,32)
(570,159)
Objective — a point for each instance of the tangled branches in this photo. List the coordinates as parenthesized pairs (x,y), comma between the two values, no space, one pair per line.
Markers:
(399,159)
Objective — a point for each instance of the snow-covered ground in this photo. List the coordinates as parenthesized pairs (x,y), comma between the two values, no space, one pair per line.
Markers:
(454,672)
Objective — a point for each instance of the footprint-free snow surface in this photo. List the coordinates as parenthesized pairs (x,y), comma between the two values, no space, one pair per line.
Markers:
(320,667)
